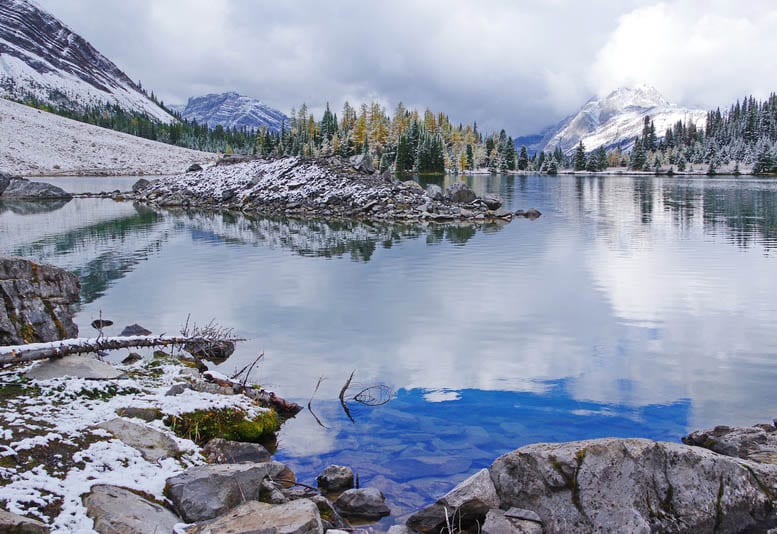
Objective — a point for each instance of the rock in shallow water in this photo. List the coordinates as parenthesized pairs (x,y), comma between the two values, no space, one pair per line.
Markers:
(114,509)
(335,478)
(22,188)
(365,503)
(757,443)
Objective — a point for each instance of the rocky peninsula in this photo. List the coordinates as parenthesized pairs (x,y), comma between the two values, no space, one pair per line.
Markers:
(321,187)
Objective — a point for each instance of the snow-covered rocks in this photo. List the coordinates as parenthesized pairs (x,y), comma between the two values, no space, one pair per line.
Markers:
(322,187)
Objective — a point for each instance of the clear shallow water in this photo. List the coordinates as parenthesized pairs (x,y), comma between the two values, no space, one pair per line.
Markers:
(632,307)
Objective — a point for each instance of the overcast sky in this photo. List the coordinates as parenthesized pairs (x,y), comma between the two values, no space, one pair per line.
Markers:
(518,65)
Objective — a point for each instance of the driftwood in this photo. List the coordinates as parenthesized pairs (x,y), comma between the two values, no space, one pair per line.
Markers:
(57,349)
(268,398)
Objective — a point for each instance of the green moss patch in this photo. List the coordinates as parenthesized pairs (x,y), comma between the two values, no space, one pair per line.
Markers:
(228,423)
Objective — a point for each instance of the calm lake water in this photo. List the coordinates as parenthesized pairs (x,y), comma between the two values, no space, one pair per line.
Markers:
(633,307)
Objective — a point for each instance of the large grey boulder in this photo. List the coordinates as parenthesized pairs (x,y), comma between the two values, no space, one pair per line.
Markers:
(23,188)
(296,517)
(335,478)
(216,351)
(364,503)
(37,302)
(434,192)
(757,443)
(114,509)
(466,504)
(205,492)
(152,444)
(18,524)
(635,485)
(460,193)
(135,330)
(224,451)
(77,366)
(501,522)
(363,163)
(140,185)
(492,202)
(5,180)
(531,214)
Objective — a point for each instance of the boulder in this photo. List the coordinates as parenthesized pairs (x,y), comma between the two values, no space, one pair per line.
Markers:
(492,202)
(140,185)
(22,188)
(216,351)
(501,522)
(132,357)
(363,163)
(99,324)
(635,485)
(144,414)
(434,192)
(38,300)
(77,366)
(365,503)
(467,504)
(115,509)
(296,517)
(412,184)
(330,517)
(224,451)
(205,492)
(460,193)
(177,389)
(18,524)
(757,443)
(152,444)
(502,213)
(135,330)
(335,478)
(530,214)
(194,167)
(5,181)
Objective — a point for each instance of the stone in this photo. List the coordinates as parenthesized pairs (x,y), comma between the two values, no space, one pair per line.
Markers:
(140,185)
(216,351)
(132,357)
(204,492)
(77,366)
(467,504)
(224,451)
(530,214)
(329,514)
(135,330)
(38,302)
(364,503)
(399,529)
(499,522)
(145,414)
(502,213)
(194,167)
(434,192)
(757,443)
(5,181)
(152,444)
(635,485)
(335,478)
(522,513)
(23,188)
(412,185)
(177,389)
(18,524)
(460,193)
(492,202)
(295,517)
(363,163)
(114,509)
(99,324)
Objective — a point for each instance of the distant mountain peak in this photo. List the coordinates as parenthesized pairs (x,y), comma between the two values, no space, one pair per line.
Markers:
(41,56)
(232,110)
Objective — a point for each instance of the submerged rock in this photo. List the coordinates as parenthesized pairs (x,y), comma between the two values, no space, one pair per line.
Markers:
(78,366)
(23,188)
(296,517)
(364,503)
(38,300)
(116,509)
(531,214)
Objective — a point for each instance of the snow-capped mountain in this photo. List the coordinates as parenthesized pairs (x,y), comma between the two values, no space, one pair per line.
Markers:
(41,56)
(232,110)
(617,119)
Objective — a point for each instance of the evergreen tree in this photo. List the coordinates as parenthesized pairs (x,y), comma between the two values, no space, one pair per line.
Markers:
(580,160)
(523,159)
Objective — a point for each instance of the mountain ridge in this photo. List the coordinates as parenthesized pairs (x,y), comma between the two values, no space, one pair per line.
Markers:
(232,110)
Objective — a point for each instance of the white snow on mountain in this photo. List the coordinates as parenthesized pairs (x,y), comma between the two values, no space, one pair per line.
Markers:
(232,110)
(617,119)
(37,143)
(41,56)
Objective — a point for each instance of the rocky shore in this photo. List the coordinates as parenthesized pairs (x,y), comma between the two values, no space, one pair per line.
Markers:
(323,187)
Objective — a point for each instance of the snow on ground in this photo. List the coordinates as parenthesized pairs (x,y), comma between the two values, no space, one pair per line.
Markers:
(37,143)
(57,420)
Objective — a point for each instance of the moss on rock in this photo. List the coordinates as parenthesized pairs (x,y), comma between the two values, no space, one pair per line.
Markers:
(228,423)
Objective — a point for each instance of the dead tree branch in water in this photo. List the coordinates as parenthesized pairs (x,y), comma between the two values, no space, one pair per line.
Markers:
(310,402)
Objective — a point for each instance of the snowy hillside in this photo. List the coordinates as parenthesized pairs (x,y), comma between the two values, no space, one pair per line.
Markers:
(232,110)
(38,143)
(617,119)
(42,56)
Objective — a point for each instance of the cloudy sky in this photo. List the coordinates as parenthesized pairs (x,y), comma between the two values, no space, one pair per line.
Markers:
(518,65)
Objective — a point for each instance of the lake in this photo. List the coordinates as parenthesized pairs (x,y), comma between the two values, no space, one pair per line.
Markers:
(635,306)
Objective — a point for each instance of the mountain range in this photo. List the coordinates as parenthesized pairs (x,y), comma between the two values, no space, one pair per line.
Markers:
(232,110)
(612,121)
(43,58)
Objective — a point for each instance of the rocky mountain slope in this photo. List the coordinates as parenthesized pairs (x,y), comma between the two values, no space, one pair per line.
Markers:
(615,120)
(36,143)
(40,56)
(232,110)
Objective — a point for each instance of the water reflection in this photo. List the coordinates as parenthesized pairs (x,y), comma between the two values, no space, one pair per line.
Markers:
(31,207)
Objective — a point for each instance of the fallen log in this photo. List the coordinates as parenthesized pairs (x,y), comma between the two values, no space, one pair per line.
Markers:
(267,398)
(56,349)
